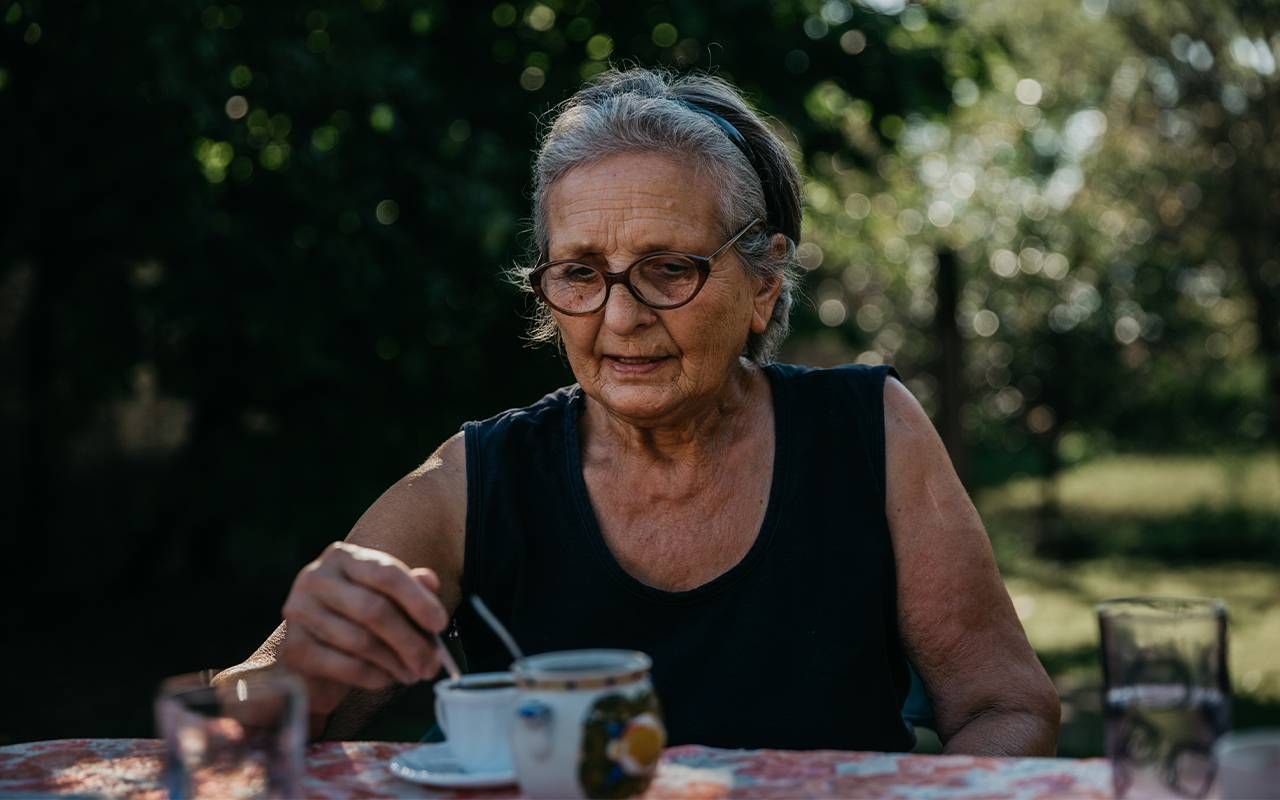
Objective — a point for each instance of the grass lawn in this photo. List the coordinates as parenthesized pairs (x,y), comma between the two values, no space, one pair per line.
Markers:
(1214,525)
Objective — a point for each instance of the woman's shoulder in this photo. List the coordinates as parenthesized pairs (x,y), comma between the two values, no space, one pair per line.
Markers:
(863,380)
(524,431)
(550,407)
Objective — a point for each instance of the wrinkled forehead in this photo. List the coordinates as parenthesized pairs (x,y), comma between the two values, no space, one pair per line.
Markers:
(632,203)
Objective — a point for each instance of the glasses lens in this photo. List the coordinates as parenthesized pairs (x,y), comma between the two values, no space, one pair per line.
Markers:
(665,280)
(573,287)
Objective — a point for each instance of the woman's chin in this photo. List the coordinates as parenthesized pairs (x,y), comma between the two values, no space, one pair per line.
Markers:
(640,402)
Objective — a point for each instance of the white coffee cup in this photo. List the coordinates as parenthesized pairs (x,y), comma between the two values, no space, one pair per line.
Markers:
(476,713)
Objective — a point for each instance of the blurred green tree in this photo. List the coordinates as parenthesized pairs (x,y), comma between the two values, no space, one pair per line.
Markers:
(253,270)
(1097,290)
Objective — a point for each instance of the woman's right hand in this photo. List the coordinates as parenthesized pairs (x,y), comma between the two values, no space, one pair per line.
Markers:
(355,619)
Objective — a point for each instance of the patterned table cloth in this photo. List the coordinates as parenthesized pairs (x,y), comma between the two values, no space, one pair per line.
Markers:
(132,767)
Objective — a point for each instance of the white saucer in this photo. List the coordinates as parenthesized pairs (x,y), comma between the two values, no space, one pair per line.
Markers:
(435,765)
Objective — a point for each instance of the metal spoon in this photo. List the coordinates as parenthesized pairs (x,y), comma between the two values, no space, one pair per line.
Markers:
(446,658)
(492,621)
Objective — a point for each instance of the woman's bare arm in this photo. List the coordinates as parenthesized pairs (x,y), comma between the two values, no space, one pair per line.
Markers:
(991,696)
(420,522)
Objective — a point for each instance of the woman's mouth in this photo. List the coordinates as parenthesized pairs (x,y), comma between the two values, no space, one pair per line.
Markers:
(634,365)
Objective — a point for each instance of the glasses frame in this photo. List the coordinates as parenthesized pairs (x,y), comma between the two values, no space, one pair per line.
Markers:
(703,263)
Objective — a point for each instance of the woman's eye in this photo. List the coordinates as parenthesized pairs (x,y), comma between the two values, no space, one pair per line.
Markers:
(674,269)
(580,274)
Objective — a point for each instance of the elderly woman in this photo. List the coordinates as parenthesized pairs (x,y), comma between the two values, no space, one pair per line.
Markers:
(781,540)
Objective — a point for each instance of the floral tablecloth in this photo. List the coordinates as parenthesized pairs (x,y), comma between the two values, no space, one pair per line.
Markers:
(131,768)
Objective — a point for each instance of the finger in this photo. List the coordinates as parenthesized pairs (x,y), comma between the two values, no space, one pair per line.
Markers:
(325,695)
(311,657)
(375,612)
(393,579)
(340,633)
(427,577)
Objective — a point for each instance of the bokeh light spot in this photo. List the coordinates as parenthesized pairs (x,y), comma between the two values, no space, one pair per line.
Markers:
(1041,419)
(237,106)
(532,79)
(964,93)
(853,42)
(1126,330)
(240,77)
(941,214)
(387,212)
(324,138)
(420,21)
(836,12)
(1028,92)
(810,255)
(382,118)
(599,47)
(914,19)
(274,156)
(504,15)
(540,17)
(857,206)
(664,34)
(986,323)
(832,312)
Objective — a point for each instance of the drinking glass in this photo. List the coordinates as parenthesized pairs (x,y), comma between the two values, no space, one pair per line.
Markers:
(1249,765)
(239,738)
(1166,694)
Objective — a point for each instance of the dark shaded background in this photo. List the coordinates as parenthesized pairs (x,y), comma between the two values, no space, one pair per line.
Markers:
(250,275)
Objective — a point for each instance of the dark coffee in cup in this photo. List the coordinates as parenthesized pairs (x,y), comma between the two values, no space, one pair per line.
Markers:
(480,686)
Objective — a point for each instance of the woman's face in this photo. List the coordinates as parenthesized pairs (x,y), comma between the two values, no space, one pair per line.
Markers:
(652,367)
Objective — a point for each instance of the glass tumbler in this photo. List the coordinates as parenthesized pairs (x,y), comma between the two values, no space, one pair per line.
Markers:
(239,738)
(1166,696)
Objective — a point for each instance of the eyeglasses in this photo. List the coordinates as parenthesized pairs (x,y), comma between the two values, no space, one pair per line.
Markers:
(662,280)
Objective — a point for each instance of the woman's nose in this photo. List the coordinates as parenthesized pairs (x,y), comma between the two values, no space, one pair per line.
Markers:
(623,312)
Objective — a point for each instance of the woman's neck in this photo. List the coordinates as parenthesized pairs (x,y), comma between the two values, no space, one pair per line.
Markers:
(699,436)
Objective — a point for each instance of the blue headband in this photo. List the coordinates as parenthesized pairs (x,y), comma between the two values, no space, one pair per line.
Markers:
(740,141)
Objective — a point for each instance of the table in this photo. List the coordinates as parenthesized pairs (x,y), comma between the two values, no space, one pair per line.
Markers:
(131,768)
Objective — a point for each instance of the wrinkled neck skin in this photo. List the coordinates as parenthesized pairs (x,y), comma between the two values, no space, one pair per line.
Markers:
(690,442)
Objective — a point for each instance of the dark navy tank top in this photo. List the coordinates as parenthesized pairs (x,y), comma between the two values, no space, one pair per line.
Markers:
(795,647)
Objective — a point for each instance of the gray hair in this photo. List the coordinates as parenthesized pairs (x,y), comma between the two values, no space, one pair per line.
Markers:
(641,110)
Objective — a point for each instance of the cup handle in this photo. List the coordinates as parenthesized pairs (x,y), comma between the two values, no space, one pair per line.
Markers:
(441,720)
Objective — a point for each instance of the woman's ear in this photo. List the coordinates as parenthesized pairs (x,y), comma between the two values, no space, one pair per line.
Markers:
(767,288)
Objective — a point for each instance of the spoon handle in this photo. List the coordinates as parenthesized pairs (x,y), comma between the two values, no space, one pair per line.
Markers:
(498,627)
(446,658)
